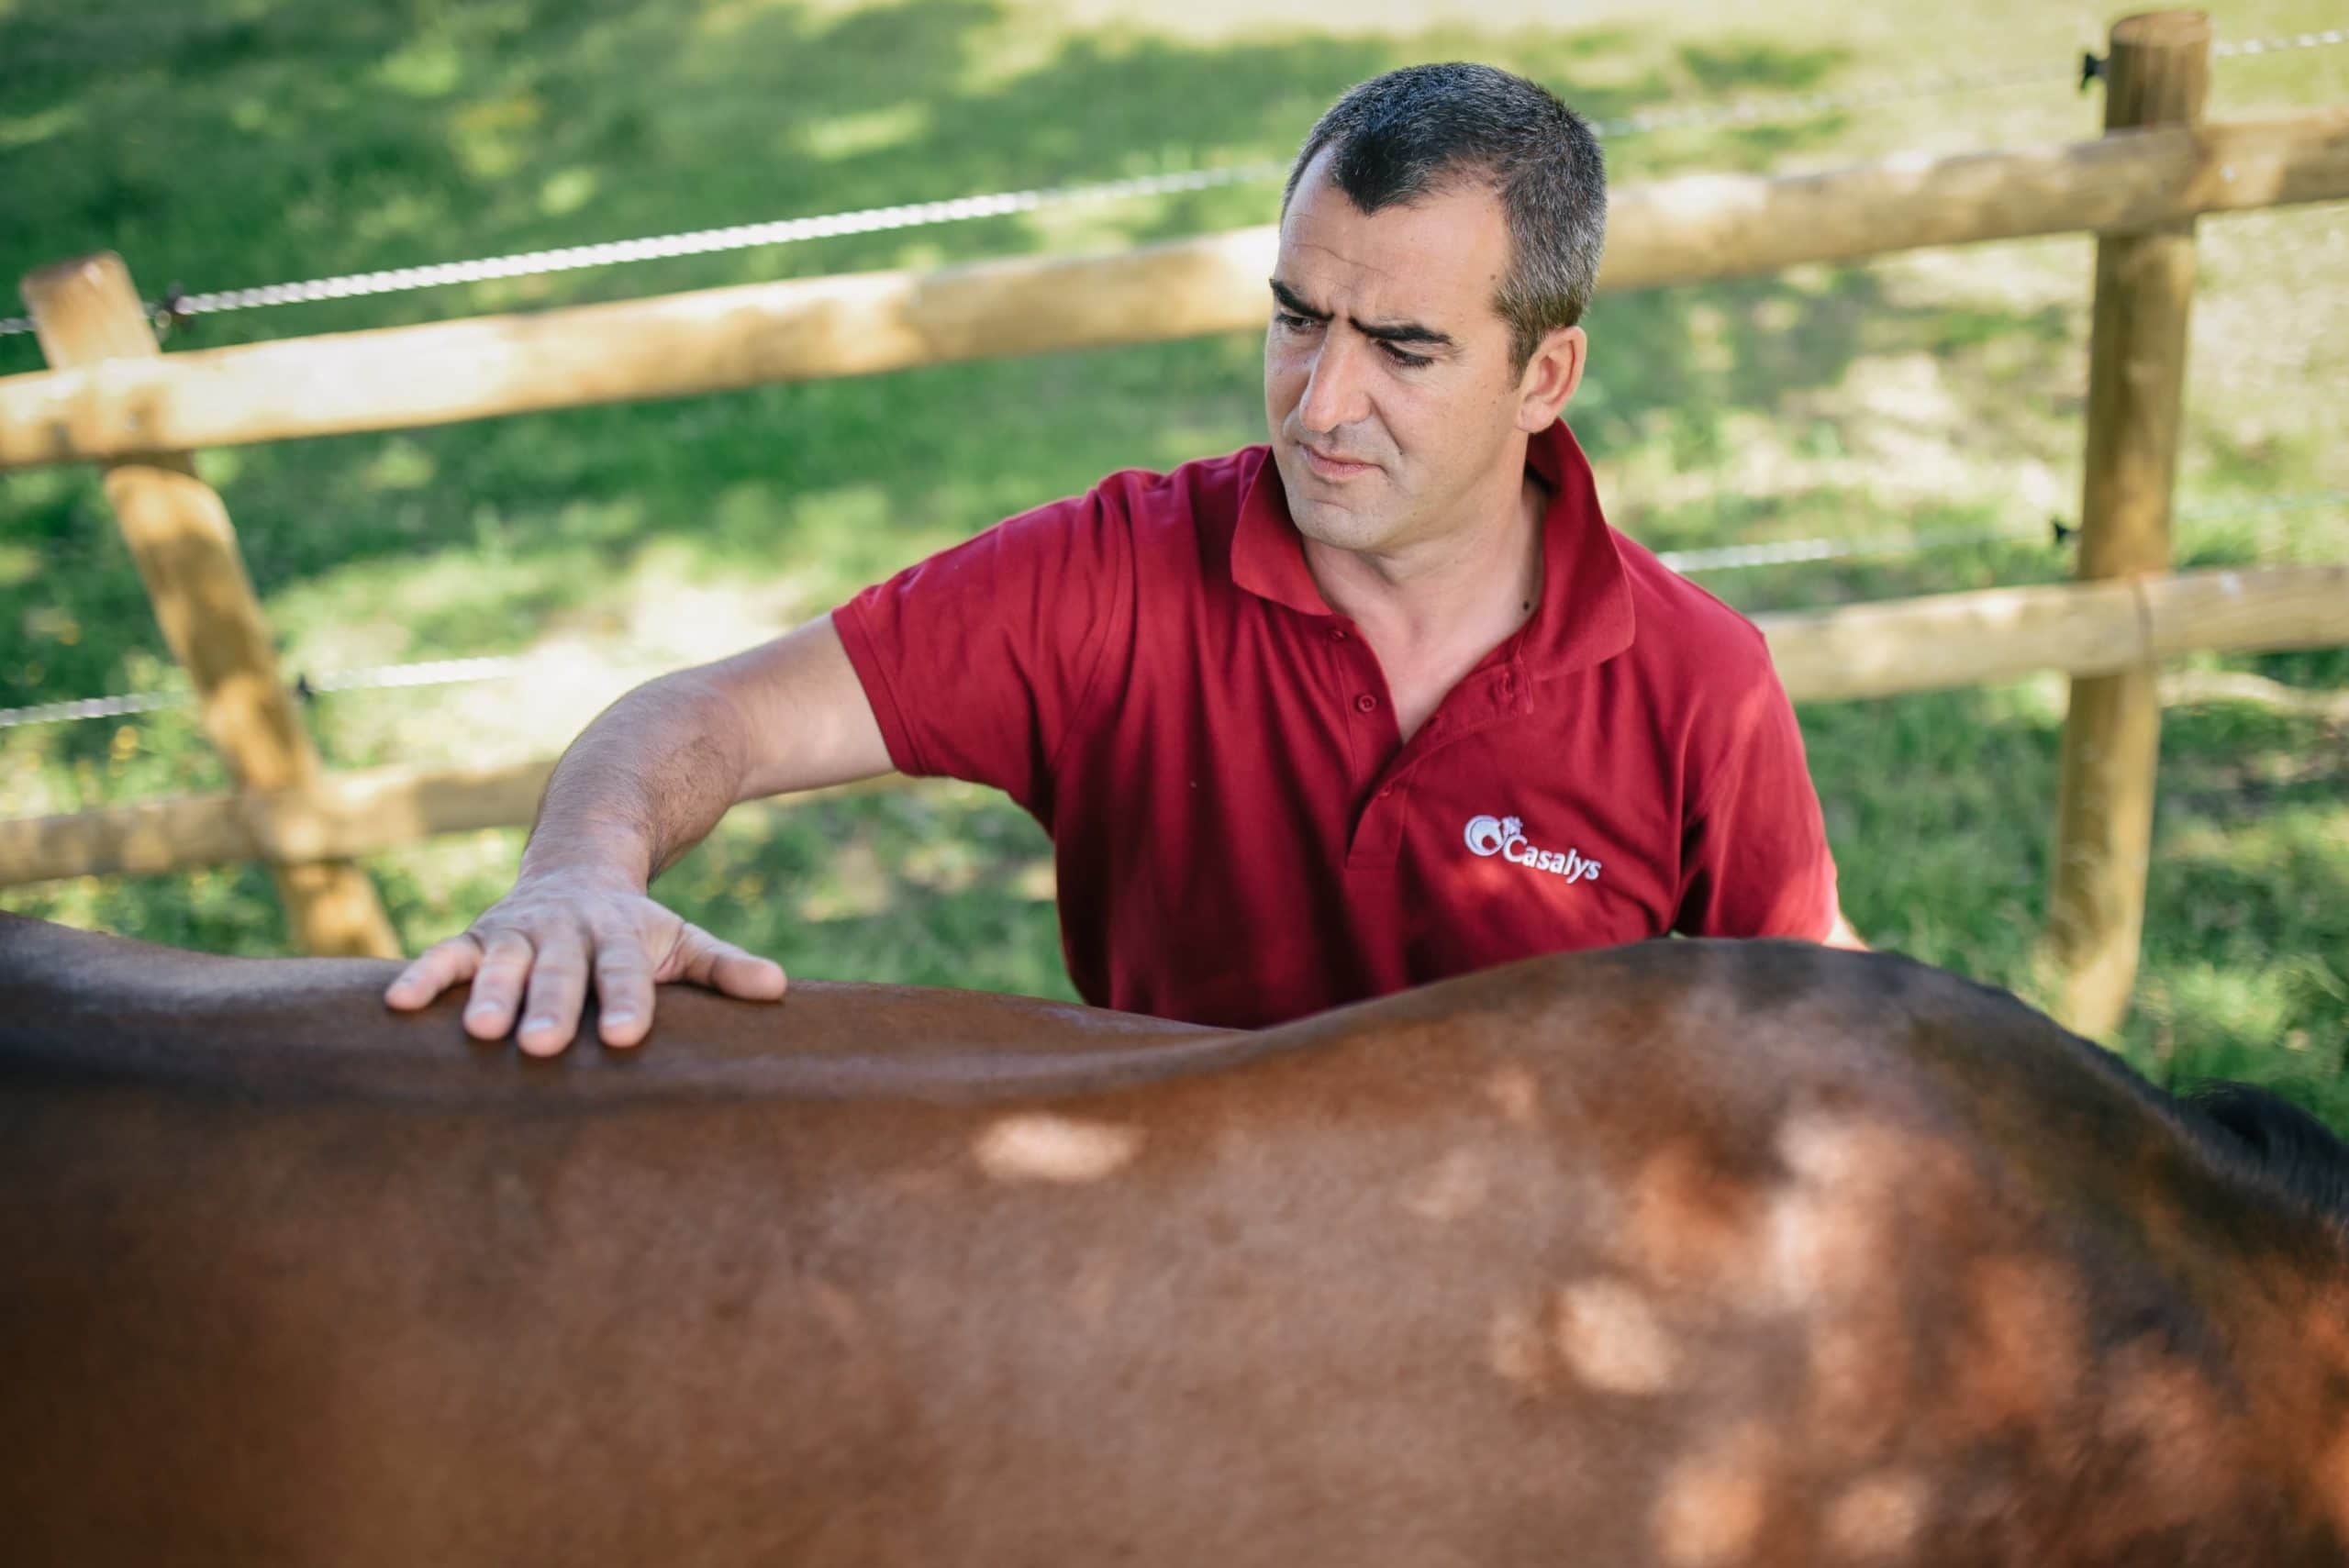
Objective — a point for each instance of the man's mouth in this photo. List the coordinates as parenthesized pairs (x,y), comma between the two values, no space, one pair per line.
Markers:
(1328,467)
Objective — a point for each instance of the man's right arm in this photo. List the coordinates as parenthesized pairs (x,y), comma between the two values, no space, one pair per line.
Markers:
(642,784)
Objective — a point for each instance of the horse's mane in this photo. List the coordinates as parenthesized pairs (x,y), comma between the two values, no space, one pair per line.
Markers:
(2251,1135)
(2278,1143)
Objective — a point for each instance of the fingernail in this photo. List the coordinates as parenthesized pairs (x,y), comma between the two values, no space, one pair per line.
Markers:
(540,1022)
(620,1017)
(481,1015)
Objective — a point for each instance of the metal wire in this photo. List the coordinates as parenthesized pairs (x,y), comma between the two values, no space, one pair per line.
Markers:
(1782,553)
(785,231)
(90,708)
(427,672)
(705,242)
(2278,46)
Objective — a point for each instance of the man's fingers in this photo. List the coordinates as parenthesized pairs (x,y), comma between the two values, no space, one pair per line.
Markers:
(558,992)
(553,956)
(436,969)
(747,975)
(623,991)
(723,967)
(497,987)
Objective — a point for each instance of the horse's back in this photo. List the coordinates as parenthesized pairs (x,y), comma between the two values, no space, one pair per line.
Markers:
(1692,1254)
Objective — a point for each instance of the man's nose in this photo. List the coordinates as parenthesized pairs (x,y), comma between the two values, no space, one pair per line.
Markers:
(1336,387)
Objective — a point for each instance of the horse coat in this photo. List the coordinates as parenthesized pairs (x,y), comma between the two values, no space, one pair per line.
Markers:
(1688,1254)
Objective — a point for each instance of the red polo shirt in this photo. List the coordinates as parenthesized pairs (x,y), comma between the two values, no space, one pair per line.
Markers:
(1242,836)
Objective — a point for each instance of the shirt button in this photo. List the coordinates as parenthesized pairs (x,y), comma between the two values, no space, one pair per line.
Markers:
(1365,704)
(1337,634)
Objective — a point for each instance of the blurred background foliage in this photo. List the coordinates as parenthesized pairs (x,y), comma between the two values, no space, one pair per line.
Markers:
(220,143)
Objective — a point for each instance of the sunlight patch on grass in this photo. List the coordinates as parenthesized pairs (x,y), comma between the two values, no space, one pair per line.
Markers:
(876,130)
(568,190)
(408,215)
(854,883)
(2202,998)
(433,890)
(852,528)
(671,607)
(2038,701)
(492,137)
(429,67)
(221,467)
(401,464)
(36,487)
(2273,846)
(723,19)
(29,130)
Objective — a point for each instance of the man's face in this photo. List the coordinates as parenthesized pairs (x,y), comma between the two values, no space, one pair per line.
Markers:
(1389,385)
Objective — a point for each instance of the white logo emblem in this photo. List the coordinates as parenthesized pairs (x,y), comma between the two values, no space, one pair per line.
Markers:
(1505,836)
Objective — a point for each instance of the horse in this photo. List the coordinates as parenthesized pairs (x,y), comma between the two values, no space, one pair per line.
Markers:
(1688,1253)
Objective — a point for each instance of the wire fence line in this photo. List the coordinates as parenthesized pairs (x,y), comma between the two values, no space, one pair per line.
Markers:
(177,306)
(1725,558)
(2279,45)
(377,677)
(1785,553)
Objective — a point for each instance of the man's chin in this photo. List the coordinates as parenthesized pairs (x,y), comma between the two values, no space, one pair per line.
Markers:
(1334,523)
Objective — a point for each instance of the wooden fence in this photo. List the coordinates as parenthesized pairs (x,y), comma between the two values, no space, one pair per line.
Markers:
(113,397)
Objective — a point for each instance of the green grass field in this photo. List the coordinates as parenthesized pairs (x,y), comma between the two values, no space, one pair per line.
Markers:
(218,143)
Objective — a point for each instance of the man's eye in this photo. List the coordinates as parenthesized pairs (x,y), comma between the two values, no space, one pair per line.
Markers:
(1406,360)
(1290,321)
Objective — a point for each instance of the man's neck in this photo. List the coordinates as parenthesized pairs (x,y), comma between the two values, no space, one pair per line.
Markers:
(1465,588)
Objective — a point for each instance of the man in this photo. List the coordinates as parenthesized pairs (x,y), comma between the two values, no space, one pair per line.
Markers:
(1384,702)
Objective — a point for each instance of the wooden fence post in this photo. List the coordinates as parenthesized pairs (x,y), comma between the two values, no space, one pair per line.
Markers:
(2157,73)
(180,534)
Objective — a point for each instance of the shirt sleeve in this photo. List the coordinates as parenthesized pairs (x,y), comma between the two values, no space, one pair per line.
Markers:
(1755,857)
(980,661)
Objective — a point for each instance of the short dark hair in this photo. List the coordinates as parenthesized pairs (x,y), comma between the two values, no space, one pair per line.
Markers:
(1414,132)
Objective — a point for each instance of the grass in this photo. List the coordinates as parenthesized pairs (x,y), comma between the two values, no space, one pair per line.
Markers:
(225,143)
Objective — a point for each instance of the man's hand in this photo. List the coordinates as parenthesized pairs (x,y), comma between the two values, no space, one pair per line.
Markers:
(1843,936)
(555,931)
(641,786)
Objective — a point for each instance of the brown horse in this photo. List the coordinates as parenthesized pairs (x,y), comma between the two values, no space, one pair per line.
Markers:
(1685,1254)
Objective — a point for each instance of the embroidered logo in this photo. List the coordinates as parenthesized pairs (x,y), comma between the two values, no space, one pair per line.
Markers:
(1505,836)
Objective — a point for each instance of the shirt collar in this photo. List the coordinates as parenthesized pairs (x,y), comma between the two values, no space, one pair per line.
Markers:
(1585,616)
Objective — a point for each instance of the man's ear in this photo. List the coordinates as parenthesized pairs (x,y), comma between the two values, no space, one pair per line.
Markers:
(1551,377)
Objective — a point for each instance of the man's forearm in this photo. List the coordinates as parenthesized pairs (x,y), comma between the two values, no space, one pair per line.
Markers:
(644,782)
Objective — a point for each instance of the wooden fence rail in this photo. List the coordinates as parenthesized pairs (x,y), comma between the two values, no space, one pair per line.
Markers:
(1675,232)
(2139,188)
(1859,651)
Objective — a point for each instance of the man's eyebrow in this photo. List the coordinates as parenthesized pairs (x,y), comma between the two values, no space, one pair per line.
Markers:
(1394,332)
